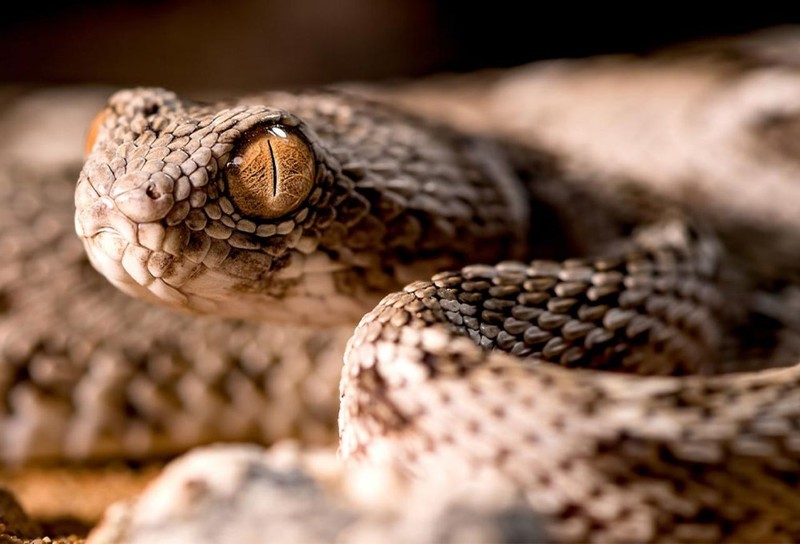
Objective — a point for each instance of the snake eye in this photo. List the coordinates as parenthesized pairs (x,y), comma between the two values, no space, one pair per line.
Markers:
(94,130)
(271,173)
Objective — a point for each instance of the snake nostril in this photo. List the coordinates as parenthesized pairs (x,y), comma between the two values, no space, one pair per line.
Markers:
(142,196)
(152,191)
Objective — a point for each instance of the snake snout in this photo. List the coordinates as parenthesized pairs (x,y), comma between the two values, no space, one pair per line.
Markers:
(144,197)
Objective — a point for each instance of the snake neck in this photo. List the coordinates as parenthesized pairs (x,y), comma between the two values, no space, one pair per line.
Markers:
(431,197)
(437,199)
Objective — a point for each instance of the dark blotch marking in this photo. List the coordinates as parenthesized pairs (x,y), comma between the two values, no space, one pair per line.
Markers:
(5,302)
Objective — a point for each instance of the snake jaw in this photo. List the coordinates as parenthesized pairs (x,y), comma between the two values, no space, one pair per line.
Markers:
(116,247)
(110,240)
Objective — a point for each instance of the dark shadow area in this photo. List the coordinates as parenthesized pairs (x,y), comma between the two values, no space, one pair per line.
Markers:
(511,33)
(250,44)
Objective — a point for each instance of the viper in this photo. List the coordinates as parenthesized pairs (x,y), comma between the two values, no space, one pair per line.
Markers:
(605,349)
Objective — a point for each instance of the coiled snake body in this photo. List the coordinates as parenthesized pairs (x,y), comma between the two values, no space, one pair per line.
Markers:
(308,208)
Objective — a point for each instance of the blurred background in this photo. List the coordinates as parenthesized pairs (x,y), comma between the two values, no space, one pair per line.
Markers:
(251,44)
(50,53)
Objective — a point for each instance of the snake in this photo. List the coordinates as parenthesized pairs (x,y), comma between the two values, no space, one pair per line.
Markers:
(591,346)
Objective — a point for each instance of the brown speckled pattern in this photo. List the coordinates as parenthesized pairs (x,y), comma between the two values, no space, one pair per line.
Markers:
(496,367)
(470,370)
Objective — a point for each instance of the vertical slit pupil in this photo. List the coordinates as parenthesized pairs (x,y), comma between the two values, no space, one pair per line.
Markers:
(274,170)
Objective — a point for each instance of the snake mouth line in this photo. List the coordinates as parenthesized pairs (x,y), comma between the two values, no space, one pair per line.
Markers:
(108,241)
(139,271)
(107,231)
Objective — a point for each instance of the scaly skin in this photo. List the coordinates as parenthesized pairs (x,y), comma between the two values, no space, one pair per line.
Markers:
(393,198)
(89,373)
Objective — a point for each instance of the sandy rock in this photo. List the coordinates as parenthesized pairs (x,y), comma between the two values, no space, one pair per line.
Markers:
(241,493)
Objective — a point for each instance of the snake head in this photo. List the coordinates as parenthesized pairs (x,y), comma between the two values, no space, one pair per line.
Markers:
(216,209)
(242,209)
